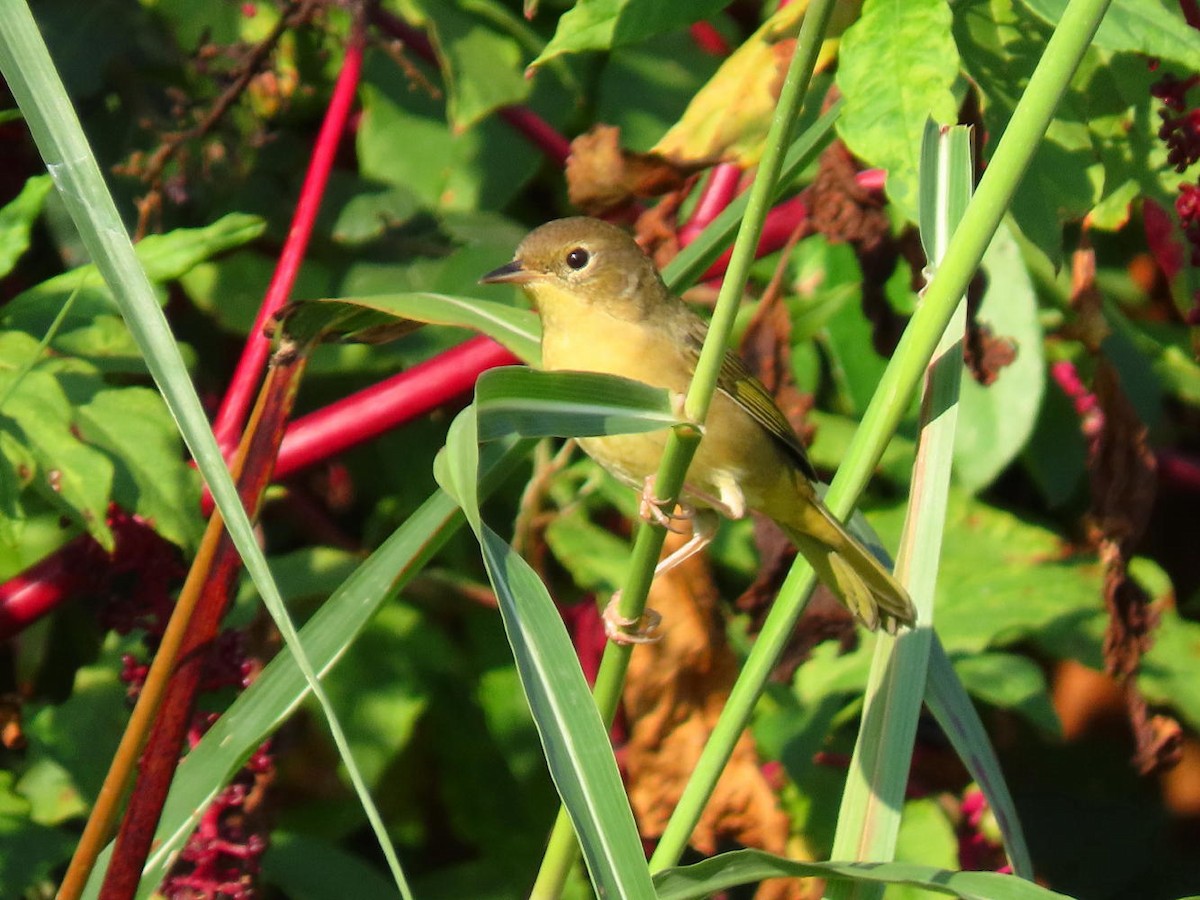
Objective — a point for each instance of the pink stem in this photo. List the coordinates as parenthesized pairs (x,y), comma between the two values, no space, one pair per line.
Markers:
(778,227)
(538,132)
(237,400)
(708,39)
(718,193)
(38,590)
(394,401)
(1178,470)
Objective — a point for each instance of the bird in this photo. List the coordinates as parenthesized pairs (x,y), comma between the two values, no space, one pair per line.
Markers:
(604,308)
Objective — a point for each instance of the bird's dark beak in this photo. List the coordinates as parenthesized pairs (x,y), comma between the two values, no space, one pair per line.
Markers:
(511,273)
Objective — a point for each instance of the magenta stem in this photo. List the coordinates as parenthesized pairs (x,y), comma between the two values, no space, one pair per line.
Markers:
(236,404)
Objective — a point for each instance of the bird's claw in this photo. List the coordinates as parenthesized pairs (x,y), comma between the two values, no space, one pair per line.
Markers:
(625,631)
(650,508)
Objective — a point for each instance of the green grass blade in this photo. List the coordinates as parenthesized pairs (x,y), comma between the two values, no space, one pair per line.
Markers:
(951,706)
(748,866)
(533,404)
(869,819)
(573,736)
(30,74)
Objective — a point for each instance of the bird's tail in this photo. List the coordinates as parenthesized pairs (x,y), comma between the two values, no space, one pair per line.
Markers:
(853,573)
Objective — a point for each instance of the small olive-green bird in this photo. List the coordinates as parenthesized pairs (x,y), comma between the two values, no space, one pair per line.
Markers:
(604,308)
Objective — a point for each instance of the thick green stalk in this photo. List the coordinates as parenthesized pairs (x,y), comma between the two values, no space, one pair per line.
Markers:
(901,378)
(682,443)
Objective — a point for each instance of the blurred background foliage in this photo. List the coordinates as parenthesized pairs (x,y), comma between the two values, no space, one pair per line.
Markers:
(1078,450)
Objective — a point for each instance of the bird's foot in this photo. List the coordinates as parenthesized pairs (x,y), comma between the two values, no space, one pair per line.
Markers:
(650,508)
(625,631)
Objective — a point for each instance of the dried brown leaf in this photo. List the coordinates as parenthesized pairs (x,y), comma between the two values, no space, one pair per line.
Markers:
(674,694)
(602,177)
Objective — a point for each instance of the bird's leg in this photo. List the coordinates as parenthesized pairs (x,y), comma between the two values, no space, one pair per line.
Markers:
(650,508)
(623,630)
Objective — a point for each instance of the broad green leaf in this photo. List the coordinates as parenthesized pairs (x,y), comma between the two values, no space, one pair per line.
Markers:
(644,89)
(604,24)
(38,416)
(150,476)
(482,168)
(1000,46)
(482,66)
(93,328)
(748,866)
(71,743)
(1002,580)
(1151,28)
(896,67)
(164,257)
(306,868)
(926,836)
(381,686)
(384,317)
(32,853)
(573,736)
(995,422)
(17,218)
(531,403)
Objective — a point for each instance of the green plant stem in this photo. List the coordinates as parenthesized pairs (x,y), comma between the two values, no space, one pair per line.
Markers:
(1026,129)
(682,443)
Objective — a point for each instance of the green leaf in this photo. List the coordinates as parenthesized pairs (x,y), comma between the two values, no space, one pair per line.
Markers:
(532,403)
(896,67)
(1001,579)
(482,168)
(573,736)
(17,218)
(947,700)
(1000,46)
(926,836)
(38,416)
(305,868)
(32,853)
(384,317)
(748,866)
(1151,28)
(151,477)
(604,24)
(1012,682)
(995,422)
(481,65)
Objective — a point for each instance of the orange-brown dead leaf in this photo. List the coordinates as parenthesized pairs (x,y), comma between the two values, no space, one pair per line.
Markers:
(602,177)
(674,693)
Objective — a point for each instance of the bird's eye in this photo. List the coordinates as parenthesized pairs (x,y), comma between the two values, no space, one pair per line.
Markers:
(578,258)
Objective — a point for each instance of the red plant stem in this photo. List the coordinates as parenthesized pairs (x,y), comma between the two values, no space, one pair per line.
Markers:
(777,229)
(28,596)
(236,403)
(718,193)
(399,399)
(538,132)
(708,39)
(213,574)
(1178,470)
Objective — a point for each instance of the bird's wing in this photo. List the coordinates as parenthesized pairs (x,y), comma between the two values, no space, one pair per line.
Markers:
(736,382)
